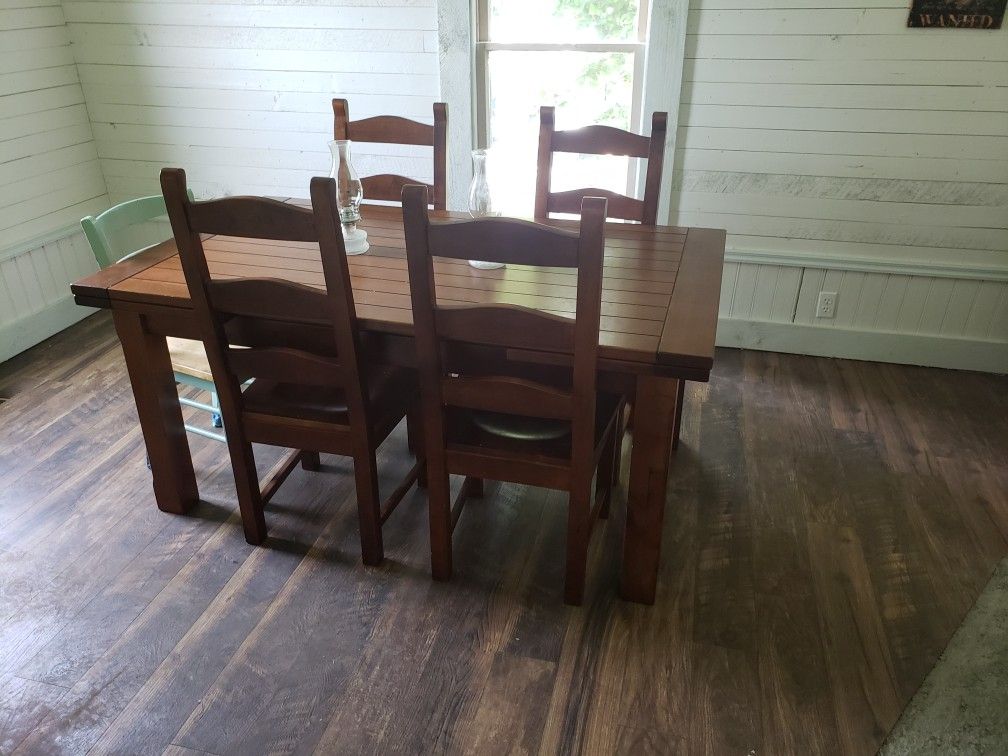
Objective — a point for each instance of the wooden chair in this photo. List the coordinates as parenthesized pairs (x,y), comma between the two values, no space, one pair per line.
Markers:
(313,387)
(600,140)
(604,140)
(189,361)
(395,130)
(487,418)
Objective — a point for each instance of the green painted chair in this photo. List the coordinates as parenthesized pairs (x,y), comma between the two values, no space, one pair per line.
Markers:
(119,228)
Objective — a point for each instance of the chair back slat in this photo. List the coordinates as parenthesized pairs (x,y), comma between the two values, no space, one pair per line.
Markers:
(385,185)
(284,365)
(390,130)
(504,240)
(266,315)
(619,205)
(398,130)
(315,336)
(506,394)
(105,231)
(269,298)
(600,140)
(253,217)
(505,326)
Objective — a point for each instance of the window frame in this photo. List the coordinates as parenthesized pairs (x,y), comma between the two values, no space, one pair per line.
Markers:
(484,46)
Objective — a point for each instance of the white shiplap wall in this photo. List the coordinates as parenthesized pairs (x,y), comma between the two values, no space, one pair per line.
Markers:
(239,94)
(860,156)
(49,174)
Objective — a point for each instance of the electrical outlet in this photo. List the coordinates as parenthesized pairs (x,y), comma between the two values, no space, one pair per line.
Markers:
(826,306)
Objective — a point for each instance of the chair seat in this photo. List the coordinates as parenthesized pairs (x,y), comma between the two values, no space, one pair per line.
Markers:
(520,428)
(389,391)
(188,357)
(523,436)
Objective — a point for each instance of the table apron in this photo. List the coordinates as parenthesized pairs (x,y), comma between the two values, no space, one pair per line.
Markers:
(397,349)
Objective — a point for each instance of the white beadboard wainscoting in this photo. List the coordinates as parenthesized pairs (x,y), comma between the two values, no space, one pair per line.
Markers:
(846,153)
(923,318)
(239,94)
(35,298)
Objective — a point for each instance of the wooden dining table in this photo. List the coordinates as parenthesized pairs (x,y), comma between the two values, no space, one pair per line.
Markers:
(661,286)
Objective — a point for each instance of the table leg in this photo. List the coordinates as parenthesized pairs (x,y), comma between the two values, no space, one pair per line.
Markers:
(680,398)
(653,431)
(150,373)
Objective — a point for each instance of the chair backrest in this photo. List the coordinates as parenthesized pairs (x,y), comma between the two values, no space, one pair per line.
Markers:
(600,140)
(273,317)
(396,130)
(104,231)
(507,240)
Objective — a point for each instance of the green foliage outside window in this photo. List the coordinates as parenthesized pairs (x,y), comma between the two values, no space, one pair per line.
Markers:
(613,20)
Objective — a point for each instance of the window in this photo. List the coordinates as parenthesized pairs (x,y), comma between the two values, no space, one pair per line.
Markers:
(586,58)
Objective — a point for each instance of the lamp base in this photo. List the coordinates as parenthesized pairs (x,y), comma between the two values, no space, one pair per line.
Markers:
(355,241)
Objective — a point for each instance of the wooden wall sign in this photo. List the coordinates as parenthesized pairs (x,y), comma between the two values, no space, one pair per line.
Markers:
(957,14)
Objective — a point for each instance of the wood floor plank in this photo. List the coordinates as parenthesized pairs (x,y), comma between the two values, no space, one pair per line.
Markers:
(288,652)
(503,722)
(641,695)
(865,688)
(66,354)
(23,704)
(797,712)
(226,579)
(724,599)
(725,705)
(412,653)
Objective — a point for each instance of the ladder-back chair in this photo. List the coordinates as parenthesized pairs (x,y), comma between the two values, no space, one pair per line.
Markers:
(397,130)
(105,233)
(600,140)
(314,388)
(604,140)
(499,422)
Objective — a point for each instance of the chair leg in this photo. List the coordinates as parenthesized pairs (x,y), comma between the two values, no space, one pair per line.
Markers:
(215,419)
(604,484)
(250,501)
(415,442)
(678,413)
(578,532)
(368,507)
(439,512)
(310,461)
(617,457)
(474,488)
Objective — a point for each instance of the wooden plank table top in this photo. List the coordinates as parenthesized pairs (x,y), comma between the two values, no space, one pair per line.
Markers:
(659,295)
(660,292)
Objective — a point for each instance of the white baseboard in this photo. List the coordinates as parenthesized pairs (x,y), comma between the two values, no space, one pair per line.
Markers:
(873,346)
(28,331)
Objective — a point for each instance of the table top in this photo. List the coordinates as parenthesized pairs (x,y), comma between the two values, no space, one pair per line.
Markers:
(660,287)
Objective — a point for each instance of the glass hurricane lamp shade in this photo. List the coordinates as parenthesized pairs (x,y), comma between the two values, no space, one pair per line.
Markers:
(349,194)
(480,201)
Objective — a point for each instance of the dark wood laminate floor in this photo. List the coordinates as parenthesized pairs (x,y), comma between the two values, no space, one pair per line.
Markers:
(829,525)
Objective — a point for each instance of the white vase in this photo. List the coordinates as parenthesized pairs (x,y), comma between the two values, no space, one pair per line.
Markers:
(480,201)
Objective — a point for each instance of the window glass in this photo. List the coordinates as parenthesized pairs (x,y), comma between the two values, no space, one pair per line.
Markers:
(583,57)
(563,20)
(586,88)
